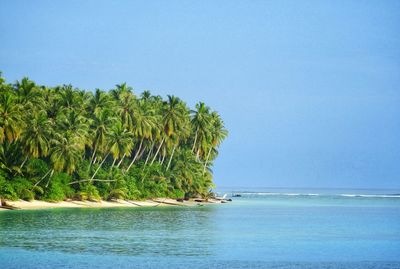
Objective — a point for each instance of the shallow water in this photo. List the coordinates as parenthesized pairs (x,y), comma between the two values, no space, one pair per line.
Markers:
(257,230)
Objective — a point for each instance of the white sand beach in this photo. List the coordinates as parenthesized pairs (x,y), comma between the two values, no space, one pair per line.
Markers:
(36,204)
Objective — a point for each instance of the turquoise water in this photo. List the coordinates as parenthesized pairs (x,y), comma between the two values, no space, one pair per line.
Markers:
(274,229)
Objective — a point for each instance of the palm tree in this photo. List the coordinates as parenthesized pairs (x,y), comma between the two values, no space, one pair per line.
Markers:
(73,123)
(100,127)
(28,93)
(67,97)
(98,102)
(119,90)
(65,152)
(127,109)
(173,122)
(120,142)
(218,134)
(201,122)
(11,119)
(144,123)
(37,136)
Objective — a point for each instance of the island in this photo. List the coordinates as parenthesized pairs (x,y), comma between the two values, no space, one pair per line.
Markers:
(70,147)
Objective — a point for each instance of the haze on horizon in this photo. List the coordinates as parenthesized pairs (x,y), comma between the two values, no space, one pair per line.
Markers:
(309,90)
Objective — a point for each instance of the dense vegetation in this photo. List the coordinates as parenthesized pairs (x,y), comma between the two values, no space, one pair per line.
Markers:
(62,142)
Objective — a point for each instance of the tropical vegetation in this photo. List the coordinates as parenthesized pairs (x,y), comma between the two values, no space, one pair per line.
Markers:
(62,142)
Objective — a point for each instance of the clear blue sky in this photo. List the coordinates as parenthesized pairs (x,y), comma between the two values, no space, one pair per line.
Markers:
(309,90)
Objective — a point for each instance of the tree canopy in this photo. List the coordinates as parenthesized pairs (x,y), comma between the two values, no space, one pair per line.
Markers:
(63,142)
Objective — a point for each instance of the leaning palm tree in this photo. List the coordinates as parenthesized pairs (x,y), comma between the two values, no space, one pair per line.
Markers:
(120,142)
(218,134)
(174,112)
(144,123)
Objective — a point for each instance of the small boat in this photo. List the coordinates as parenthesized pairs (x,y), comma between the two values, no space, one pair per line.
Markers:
(236,195)
(221,198)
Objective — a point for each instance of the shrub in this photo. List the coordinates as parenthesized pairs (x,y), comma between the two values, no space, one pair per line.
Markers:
(23,188)
(36,168)
(59,189)
(6,189)
(89,192)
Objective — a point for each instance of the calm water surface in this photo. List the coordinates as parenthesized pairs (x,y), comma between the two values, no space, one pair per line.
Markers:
(258,230)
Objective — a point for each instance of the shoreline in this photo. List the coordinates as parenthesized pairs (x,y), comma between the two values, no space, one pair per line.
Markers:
(38,204)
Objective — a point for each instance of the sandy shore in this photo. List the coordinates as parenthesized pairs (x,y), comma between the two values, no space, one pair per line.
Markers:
(36,204)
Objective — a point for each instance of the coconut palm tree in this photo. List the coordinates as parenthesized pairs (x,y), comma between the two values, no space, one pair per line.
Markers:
(218,134)
(66,152)
(11,118)
(120,142)
(74,123)
(98,102)
(100,126)
(173,122)
(144,123)
(201,123)
(37,135)
(28,93)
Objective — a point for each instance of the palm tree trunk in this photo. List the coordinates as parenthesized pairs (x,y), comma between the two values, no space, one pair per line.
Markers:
(195,139)
(98,168)
(170,158)
(48,181)
(134,158)
(205,164)
(141,154)
(158,150)
(163,158)
(119,163)
(113,163)
(197,154)
(148,155)
(45,175)
(22,165)
(94,153)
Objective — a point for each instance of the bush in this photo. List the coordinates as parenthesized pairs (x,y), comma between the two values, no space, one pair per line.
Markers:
(36,168)
(89,192)
(176,193)
(133,192)
(6,189)
(59,189)
(23,188)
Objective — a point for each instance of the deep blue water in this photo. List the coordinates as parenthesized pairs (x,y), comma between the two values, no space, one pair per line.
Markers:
(262,229)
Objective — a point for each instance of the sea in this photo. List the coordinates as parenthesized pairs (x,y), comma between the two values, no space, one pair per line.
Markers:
(260,228)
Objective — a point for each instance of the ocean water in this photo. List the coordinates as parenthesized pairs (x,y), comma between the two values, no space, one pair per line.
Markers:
(261,229)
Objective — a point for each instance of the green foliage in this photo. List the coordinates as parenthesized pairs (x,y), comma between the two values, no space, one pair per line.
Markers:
(88,192)
(59,189)
(6,189)
(61,142)
(176,193)
(36,168)
(23,188)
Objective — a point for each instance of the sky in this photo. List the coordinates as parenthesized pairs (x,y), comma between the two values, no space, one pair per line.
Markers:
(309,90)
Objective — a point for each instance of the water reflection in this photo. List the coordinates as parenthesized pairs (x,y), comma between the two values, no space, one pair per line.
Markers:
(127,231)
